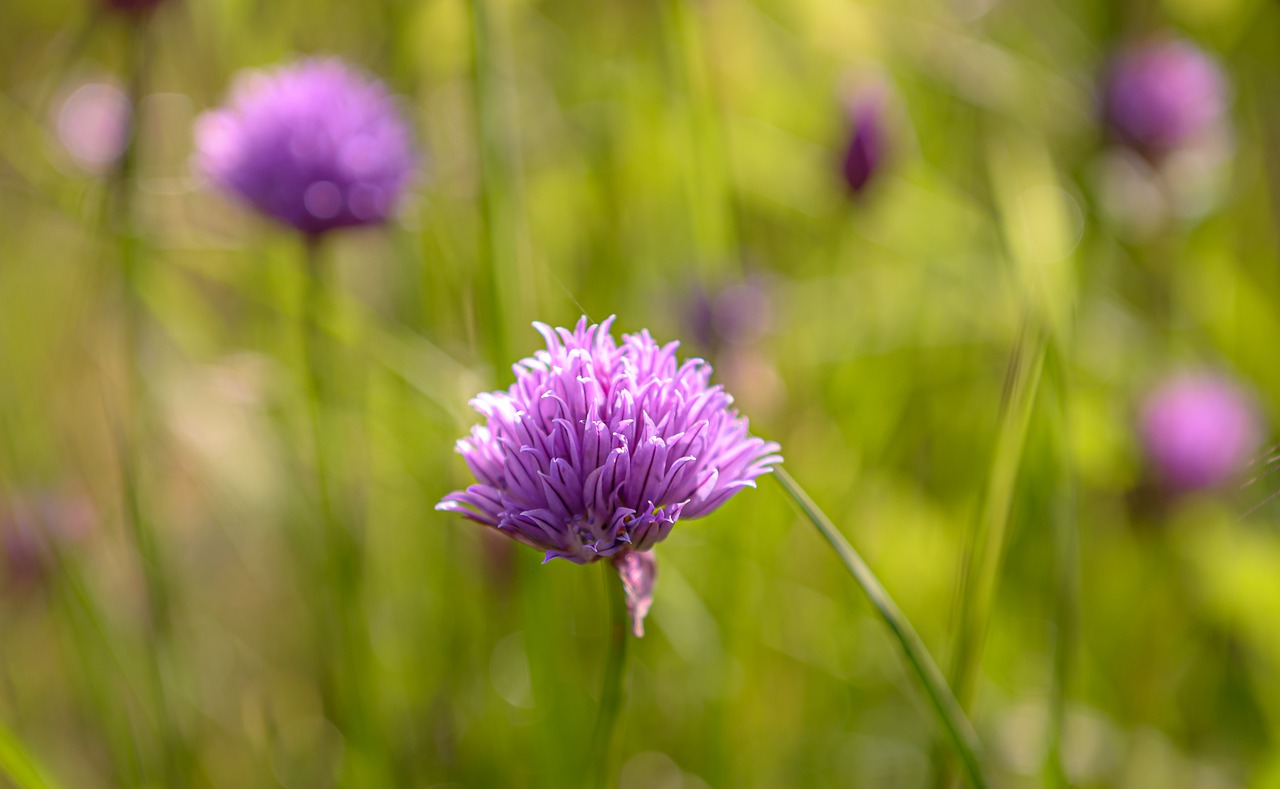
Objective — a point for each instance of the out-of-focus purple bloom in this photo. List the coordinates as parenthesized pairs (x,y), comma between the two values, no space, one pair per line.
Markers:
(316,145)
(865,150)
(93,125)
(738,314)
(1163,94)
(598,448)
(32,528)
(1199,431)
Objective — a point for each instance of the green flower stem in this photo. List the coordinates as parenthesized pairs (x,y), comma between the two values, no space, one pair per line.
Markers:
(132,429)
(312,306)
(613,687)
(342,626)
(950,716)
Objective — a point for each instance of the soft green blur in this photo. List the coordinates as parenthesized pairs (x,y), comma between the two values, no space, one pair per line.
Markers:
(613,158)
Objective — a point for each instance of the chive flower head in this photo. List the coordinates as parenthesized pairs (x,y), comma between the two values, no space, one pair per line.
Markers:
(316,145)
(600,447)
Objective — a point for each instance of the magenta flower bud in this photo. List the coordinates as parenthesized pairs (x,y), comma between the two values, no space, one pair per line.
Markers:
(598,448)
(864,152)
(315,145)
(1199,431)
(1163,94)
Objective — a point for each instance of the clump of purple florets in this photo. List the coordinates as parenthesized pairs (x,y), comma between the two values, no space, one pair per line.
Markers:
(599,448)
(316,145)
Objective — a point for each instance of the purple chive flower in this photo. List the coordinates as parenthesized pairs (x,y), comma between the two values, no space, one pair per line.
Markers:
(598,449)
(1163,94)
(865,151)
(1199,431)
(315,145)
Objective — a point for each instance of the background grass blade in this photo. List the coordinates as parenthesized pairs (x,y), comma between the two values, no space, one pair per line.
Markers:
(950,717)
(19,766)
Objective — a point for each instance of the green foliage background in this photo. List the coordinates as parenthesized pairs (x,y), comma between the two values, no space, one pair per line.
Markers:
(612,157)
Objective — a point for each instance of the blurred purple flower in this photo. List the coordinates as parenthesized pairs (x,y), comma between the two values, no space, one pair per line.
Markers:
(1163,94)
(93,125)
(737,314)
(316,145)
(32,528)
(865,151)
(1199,431)
(598,449)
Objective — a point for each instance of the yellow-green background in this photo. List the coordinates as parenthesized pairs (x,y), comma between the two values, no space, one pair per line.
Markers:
(641,149)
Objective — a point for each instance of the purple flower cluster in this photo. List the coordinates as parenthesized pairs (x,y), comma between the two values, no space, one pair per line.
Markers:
(315,145)
(599,448)
(1199,431)
(1163,94)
